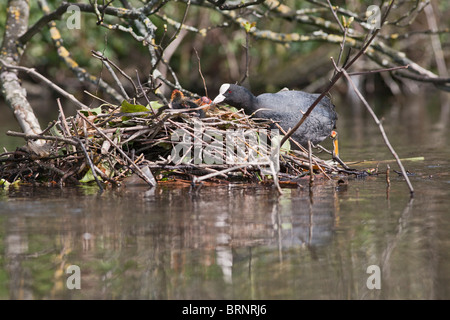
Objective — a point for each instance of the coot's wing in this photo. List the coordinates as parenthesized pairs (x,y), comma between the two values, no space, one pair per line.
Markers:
(288,107)
(295,103)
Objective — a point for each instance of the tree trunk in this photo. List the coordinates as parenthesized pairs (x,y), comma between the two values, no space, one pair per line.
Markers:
(11,51)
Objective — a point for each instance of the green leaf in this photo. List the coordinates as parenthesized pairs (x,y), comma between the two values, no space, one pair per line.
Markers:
(155,105)
(94,111)
(248,26)
(127,107)
(55,132)
(4,183)
(286,147)
(88,177)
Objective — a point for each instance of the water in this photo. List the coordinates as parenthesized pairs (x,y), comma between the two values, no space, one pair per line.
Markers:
(245,242)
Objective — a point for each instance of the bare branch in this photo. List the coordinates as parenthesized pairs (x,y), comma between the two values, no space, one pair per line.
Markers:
(222,6)
(55,87)
(335,79)
(41,137)
(378,70)
(201,74)
(383,133)
(107,62)
(335,16)
(10,54)
(136,168)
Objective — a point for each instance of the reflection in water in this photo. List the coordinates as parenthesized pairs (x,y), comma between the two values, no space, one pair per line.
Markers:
(244,242)
(149,234)
(221,243)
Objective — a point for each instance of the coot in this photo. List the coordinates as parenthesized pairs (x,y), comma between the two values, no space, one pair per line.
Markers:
(287,108)
(179,101)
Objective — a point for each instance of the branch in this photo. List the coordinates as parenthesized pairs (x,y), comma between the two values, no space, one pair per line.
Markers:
(84,7)
(150,181)
(377,71)
(10,53)
(383,133)
(90,163)
(161,50)
(247,57)
(43,22)
(107,62)
(220,4)
(200,72)
(41,137)
(55,87)
(336,77)
(335,16)
(435,42)
(291,37)
(81,73)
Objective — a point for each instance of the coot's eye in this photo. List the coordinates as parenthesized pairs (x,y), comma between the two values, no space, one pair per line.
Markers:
(229,91)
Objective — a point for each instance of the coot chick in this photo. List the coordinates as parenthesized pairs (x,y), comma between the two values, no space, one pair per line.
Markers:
(179,101)
(287,108)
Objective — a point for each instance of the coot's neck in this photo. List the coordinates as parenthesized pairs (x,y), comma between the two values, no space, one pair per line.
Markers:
(245,100)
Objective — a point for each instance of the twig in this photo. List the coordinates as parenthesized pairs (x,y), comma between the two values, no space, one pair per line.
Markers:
(211,175)
(388,180)
(41,137)
(377,70)
(113,74)
(304,150)
(107,61)
(311,173)
(336,17)
(435,41)
(172,38)
(247,58)
(43,22)
(336,78)
(81,73)
(342,45)
(201,74)
(63,118)
(220,4)
(55,87)
(275,178)
(144,93)
(435,80)
(89,161)
(50,167)
(380,126)
(51,125)
(151,182)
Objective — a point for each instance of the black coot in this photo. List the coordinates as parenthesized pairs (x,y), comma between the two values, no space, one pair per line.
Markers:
(287,108)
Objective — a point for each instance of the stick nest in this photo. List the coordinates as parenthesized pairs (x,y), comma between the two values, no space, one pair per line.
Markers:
(130,143)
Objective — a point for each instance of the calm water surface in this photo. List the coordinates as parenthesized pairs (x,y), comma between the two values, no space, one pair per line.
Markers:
(245,242)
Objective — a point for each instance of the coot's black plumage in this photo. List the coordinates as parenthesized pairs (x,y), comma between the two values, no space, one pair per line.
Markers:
(287,108)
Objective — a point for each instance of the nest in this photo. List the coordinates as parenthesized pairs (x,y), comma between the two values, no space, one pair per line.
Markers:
(188,142)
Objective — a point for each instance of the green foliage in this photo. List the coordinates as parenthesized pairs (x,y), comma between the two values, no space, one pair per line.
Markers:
(88,177)
(131,108)
(127,107)
(95,111)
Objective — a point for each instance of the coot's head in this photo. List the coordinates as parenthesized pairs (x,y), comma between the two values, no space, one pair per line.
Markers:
(203,101)
(176,96)
(235,96)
